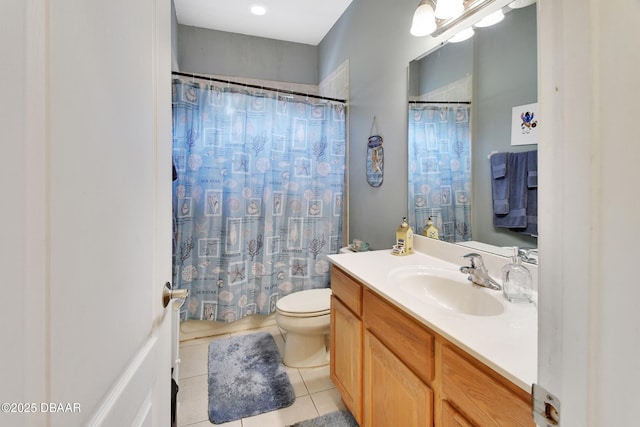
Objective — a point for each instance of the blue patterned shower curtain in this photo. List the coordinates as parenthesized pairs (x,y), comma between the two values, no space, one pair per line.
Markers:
(258,197)
(440,169)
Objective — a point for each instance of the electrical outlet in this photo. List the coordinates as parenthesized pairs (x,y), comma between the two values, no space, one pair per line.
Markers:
(546,407)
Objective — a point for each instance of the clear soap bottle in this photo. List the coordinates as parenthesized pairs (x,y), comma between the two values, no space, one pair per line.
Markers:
(517,284)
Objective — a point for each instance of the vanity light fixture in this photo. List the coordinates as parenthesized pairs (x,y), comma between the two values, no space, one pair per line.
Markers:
(463,35)
(424,21)
(517,4)
(258,9)
(430,13)
(490,20)
(447,9)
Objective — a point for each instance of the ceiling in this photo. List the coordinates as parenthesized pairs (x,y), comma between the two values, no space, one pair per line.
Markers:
(299,21)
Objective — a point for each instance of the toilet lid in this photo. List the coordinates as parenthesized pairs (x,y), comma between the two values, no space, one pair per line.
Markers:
(313,302)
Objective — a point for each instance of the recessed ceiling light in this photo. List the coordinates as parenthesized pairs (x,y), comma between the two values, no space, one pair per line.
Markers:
(258,9)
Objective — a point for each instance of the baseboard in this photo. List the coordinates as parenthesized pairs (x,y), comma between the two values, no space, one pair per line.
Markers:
(194,329)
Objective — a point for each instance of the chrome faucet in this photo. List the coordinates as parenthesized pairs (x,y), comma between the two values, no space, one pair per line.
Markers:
(529,255)
(478,273)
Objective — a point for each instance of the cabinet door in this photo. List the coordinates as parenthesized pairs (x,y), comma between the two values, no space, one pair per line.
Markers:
(452,418)
(346,356)
(393,394)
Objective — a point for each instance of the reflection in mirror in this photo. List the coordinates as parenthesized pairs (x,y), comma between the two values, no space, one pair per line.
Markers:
(460,112)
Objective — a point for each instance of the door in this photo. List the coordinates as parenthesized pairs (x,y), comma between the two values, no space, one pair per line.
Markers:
(90,156)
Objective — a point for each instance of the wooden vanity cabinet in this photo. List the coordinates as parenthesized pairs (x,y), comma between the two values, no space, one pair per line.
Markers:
(346,341)
(398,367)
(486,397)
(393,394)
(392,370)
(452,418)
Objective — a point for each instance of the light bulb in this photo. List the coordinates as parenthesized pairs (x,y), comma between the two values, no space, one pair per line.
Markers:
(462,35)
(491,19)
(424,22)
(446,9)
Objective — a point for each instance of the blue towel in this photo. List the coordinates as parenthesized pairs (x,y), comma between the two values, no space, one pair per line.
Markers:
(532,169)
(516,177)
(532,194)
(499,183)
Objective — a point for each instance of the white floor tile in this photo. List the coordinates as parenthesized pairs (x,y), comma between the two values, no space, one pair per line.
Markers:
(204,340)
(317,379)
(328,401)
(193,411)
(273,330)
(193,388)
(193,393)
(302,409)
(193,361)
(297,382)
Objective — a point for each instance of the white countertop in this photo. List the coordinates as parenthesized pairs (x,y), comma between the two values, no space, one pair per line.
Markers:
(506,342)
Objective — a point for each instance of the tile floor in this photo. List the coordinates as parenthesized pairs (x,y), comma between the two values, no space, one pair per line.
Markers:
(315,393)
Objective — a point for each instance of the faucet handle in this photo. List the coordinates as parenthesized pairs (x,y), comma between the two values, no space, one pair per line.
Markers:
(529,255)
(476,260)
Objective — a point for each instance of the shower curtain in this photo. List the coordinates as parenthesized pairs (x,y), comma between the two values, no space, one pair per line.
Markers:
(258,198)
(440,169)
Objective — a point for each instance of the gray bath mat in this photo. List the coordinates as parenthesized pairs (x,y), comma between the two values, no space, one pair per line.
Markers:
(332,419)
(246,378)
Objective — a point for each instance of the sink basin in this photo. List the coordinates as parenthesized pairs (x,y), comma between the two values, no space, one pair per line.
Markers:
(448,289)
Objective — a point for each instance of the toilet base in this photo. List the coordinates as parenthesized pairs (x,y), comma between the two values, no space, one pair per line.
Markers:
(305,351)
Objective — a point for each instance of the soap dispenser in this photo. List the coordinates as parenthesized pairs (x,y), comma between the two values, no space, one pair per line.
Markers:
(517,283)
(404,239)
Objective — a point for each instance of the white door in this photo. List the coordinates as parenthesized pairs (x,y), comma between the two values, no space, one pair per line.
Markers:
(88,159)
(588,314)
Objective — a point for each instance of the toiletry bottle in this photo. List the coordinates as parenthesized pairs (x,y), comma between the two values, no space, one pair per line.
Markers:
(404,239)
(430,230)
(516,280)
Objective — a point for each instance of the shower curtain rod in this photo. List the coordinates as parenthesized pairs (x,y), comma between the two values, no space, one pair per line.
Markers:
(440,102)
(289,92)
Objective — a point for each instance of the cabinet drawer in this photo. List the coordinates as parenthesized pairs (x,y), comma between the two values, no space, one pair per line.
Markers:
(407,339)
(347,290)
(482,395)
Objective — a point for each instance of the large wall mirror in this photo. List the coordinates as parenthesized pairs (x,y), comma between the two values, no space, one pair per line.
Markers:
(461,100)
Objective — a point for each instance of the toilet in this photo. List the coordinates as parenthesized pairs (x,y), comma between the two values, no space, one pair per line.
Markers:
(305,317)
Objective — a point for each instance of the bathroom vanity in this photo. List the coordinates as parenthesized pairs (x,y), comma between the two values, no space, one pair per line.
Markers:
(402,358)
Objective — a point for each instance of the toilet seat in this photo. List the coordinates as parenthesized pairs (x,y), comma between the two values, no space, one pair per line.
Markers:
(309,303)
